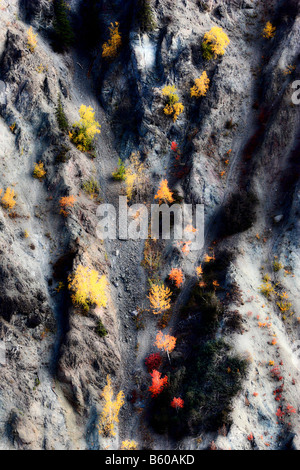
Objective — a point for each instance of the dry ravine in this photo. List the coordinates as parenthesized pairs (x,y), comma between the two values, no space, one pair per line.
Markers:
(235,149)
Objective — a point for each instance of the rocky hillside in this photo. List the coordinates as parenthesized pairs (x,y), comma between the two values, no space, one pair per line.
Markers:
(235,149)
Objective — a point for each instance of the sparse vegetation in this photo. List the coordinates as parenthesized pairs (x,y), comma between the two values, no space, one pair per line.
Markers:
(91,187)
(267,289)
(277,266)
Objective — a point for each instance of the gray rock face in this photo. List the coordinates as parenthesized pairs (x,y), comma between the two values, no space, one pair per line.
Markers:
(241,138)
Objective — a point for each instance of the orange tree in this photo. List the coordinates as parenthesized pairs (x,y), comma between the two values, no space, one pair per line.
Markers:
(158,383)
(165,342)
(176,276)
(164,194)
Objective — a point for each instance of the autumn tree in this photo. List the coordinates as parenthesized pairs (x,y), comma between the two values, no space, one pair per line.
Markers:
(177,403)
(269,31)
(164,194)
(85,130)
(159,297)
(31,39)
(174,146)
(136,177)
(88,287)
(158,383)
(8,199)
(173,107)
(110,413)
(111,48)
(215,42)
(199,271)
(165,342)
(39,171)
(176,276)
(129,445)
(201,86)
(153,361)
(66,204)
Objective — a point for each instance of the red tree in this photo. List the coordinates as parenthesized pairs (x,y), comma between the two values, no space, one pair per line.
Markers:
(153,361)
(158,383)
(174,147)
(177,403)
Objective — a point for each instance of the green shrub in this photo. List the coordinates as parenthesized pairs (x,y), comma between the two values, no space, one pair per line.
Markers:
(101,330)
(91,187)
(64,35)
(145,16)
(277,266)
(120,173)
(61,117)
(207,51)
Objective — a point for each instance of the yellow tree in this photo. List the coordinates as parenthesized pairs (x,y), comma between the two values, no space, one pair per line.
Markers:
(173,106)
(164,194)
(8,199)
(31,39)
(110,413)
(39,172)
(136,179)
(111,48)
(165,342)
(88,287)
(217,41)
(269,31)
(201,86)
(85,129)
(129,445)
(159,297)
(199,271)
